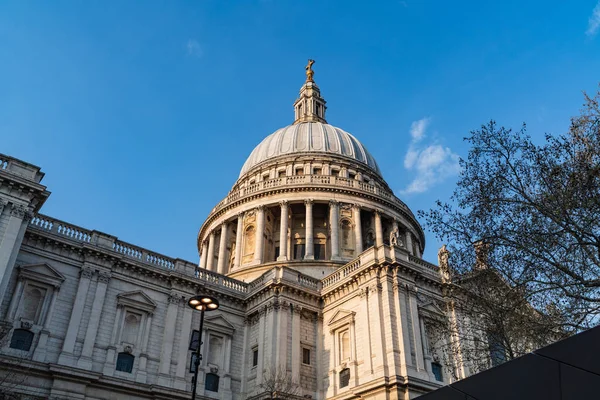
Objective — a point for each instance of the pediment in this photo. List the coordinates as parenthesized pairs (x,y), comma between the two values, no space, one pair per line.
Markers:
(42,272)
(341,317)
(220,324)
(432,310)
(136,299)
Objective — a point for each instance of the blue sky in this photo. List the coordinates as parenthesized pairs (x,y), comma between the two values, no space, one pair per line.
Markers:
(142,113)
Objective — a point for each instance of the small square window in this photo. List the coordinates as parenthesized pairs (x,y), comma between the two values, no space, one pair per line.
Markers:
(125,362)
(306,356)
(335,172)
(255,357)
(317,171)
(299,171)
(21,339)
(281,174)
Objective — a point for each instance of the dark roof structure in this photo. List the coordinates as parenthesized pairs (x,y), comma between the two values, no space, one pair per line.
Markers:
(565,370)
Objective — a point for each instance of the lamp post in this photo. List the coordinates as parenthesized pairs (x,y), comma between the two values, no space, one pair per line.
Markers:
(201,303)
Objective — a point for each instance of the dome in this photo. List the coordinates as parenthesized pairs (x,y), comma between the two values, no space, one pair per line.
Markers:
(310,137)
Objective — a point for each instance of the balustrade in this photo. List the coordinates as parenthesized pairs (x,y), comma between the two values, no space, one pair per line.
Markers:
(307,179)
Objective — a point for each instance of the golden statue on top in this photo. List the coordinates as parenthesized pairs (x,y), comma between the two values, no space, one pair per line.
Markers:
(309,71)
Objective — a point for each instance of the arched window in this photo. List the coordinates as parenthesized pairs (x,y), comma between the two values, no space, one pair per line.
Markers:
(125,362)
(250,237)
(344,377)
(21,339)
(32,302)
(211,382)
(344,345)
(130,328)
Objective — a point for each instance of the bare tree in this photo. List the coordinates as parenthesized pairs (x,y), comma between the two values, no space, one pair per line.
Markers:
(279,384)
(537,209)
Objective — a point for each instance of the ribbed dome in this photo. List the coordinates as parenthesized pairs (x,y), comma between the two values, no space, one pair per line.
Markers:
(310,137)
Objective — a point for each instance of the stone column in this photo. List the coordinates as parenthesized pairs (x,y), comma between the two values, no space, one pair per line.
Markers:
(203,256)
(261,346)
(334,223)
(309,238)
(378,229)
(184,344)
(164,378)
(14,301)
(296,310)
(245,366)
(319,354)
(210,255)
(409,243)
(85,360)
(357,229)
(400,321)
(141,372)
(238,241)
(39,353)
(283,232)
(222,260)
(10,241)
(374,307)
(259,242)
(281,332)
(416,327)
(66,354)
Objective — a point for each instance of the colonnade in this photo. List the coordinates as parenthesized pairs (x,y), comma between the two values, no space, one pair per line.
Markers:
(208,246)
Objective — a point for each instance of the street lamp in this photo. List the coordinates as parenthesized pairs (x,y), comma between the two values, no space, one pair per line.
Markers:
(201,303)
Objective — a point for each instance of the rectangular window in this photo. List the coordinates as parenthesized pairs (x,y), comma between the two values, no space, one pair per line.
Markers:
(317,171)
(276,252)
(335,172)
(255,357)
(299,171)
(211,382)
(344,377)
(319,250)
(351,175)
(306,356)
(436,368)
(298,251)
(281,174)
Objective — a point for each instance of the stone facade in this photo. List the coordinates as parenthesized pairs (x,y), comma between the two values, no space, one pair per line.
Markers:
(316,264)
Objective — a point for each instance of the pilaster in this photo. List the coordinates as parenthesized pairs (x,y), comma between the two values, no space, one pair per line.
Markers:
(66,356)
(85,360)
(164,378)
(334,223)
(310,242)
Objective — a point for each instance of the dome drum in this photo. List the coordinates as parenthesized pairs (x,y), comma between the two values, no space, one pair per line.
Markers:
(310,196)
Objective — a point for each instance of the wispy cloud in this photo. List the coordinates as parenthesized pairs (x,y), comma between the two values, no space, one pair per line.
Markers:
(431,163)
(193,48)
(594,21)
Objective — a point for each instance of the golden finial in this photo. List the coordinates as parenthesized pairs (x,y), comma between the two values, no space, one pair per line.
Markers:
(309,71)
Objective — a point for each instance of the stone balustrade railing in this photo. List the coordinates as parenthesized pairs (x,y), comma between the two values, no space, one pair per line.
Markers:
(341,273)
(20,168)
(61,228)
(315,180)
